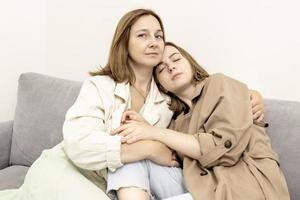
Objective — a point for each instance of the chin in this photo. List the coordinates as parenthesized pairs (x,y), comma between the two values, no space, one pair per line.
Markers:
(152,64)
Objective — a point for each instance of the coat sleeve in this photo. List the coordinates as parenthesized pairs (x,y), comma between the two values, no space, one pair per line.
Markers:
(226,103)
(85,141)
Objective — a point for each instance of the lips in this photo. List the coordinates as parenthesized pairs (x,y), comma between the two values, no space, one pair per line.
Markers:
(174,76)
(152,54)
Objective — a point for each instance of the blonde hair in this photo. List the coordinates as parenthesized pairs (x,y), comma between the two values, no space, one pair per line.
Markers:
(117,66)
(199,74)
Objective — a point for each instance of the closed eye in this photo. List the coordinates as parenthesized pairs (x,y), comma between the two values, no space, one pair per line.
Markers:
(177,59)
(161,69)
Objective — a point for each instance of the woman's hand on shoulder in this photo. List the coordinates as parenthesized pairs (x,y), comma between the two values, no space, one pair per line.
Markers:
(257,103)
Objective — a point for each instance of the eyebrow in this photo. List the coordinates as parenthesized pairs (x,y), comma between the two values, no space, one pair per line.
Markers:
(159,64)
(146,30)
(173,54)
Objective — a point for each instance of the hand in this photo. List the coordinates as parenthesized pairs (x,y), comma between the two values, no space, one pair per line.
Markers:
(257,104)
(131,115)
(133,131)
(163,155)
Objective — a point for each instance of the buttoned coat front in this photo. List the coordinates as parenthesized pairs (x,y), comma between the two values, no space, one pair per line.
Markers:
(236,158)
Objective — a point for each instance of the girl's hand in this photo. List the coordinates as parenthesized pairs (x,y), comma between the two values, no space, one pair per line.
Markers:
(257,104)
(131,115)
(133,131)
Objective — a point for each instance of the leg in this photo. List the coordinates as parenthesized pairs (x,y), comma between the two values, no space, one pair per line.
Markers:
(185,196)
(165,181)
(132,193)
(129,181)
(53,176)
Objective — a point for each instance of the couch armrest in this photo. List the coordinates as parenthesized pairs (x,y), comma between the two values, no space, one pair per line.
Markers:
(6,130)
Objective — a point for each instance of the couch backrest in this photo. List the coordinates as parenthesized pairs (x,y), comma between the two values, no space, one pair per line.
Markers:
(284,129)
(41,106)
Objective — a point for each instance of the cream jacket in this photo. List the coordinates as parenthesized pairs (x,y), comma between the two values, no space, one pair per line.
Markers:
(96,111)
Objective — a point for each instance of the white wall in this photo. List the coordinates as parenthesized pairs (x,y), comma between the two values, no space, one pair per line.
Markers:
(254,41)
(22,47)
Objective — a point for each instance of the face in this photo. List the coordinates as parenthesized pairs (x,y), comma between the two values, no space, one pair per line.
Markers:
(146,42)
(175,72)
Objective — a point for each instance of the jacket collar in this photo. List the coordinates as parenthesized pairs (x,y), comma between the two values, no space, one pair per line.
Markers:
(122,91)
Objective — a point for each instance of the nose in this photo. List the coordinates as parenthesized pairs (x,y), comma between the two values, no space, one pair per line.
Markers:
(171,68)
(153,42)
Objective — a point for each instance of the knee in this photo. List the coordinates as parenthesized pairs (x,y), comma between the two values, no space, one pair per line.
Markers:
(128,193)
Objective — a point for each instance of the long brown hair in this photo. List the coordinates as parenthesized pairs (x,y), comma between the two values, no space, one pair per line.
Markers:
(117,66)
(176,104)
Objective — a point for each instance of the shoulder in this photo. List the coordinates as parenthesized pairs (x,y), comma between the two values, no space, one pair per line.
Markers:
(222,80)
(103,82)
(101,79)
(218,78)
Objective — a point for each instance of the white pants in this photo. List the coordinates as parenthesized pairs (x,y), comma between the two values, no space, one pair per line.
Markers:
(159,181)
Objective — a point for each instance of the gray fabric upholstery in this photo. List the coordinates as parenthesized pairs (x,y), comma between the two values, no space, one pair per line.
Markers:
(41,106)
(12,177)
(43,101)
(6,130)
(284,130)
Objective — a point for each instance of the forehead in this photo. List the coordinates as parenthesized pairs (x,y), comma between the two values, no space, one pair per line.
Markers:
(147,22)
(169,50)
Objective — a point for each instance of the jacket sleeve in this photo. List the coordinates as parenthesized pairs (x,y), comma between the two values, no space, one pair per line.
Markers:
(226,103)
(85,141)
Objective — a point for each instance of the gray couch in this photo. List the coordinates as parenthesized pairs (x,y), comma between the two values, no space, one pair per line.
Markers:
(43,101)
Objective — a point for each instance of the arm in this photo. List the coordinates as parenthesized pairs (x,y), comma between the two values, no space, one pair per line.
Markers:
(173,139)
(156,151)
(136,129)
(190,147)
(226,132)
(85,141)
(228,103)
(6,130)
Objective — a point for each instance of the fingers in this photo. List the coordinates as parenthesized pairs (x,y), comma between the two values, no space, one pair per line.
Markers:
(255,98)
(120,129)
(175,163)
(132,139)
(257,112)
(261,118)
(256,108)
(257,115)
(254,102)
(126,115)
(126,132)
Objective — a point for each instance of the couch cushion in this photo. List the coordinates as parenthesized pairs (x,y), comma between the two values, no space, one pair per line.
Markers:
(284,130)
(41,106)
(12,177)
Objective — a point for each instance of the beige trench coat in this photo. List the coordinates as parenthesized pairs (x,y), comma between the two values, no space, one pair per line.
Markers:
(237,161)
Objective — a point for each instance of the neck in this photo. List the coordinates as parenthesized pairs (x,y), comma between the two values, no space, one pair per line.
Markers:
(143,76)
(189,93)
